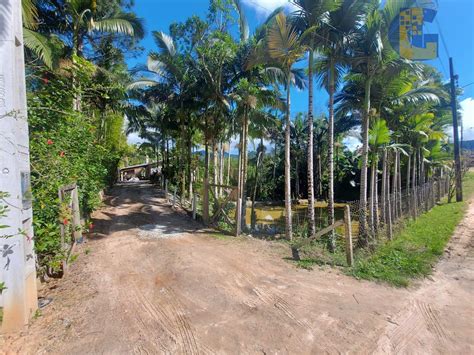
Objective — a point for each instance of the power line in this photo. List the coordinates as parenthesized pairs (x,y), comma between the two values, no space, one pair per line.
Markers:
(445,46)
(442,66)
(442,37)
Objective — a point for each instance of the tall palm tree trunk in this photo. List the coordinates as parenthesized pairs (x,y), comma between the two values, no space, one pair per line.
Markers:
(244,169)
(376,196)
(189,168)
(215,160)
(372,197)
(408,185)
(363,228)
(399,187)
(221,167)
(253,216)
(320,175)
(384,186)
(311,216)
(331,155)
(297,179)
(394,189)
(239,184)
(228,167)
(288,221)
(414,207)
(389,208)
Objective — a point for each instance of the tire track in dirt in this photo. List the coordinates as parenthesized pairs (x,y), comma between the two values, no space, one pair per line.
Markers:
(430,315)
(182,323)
(279,303)
(420,318)
(171,319)
(262,295)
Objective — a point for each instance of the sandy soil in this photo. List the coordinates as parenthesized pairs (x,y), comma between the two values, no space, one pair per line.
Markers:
(151,281)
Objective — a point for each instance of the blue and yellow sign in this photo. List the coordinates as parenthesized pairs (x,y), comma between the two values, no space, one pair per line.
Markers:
(406,32)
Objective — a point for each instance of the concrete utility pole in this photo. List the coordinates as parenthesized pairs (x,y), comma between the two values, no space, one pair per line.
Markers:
(17,259)
(457,155)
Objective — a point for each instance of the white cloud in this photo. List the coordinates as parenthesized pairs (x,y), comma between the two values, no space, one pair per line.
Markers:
(265,7)
(467,109)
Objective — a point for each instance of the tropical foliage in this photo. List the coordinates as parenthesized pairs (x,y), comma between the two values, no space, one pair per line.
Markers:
(211,85)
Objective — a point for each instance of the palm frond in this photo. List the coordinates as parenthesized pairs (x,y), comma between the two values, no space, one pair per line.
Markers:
(165,43)
(243,23)
(29,13)
(39,45)
(142,83)
(114,25)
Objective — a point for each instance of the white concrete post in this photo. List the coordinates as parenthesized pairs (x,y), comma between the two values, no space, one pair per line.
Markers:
(174,196)
(17,260)
(194,205)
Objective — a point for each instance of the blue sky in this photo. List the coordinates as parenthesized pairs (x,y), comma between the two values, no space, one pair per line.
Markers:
(454,21)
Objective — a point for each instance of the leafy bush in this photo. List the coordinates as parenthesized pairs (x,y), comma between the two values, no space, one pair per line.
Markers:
(66,148)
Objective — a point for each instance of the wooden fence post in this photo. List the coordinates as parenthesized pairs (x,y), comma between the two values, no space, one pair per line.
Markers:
(76,216)
(194,205)
(348,233)
(61,225)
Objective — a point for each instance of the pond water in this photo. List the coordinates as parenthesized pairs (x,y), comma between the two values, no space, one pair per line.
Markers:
(271,218)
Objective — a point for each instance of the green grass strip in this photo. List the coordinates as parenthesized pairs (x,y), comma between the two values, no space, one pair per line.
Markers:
(413,252)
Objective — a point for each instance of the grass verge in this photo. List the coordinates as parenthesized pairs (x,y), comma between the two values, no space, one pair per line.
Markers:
(413,252)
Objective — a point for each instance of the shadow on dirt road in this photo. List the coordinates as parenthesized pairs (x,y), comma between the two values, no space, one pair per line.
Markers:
(151,280)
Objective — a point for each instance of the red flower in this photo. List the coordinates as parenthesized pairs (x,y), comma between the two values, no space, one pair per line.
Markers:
(65,221)
(61,154)
(49,142)
(45,80)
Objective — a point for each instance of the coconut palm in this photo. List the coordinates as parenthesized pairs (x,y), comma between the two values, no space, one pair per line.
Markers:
(285,48)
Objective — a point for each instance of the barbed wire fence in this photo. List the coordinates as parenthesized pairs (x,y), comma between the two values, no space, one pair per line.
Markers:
(384,215)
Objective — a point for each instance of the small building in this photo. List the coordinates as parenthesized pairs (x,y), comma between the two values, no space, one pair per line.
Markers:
(140,171)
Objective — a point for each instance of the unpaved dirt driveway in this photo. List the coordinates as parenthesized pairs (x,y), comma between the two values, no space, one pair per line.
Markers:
(151,281)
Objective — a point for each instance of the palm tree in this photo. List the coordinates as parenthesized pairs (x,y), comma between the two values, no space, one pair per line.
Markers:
(379,136)
(309,17)
(298,132)
(171,77)
(284,47)
(338,33)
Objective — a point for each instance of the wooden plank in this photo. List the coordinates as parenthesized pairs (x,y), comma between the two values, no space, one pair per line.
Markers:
(328,229)
(322,232)
(220,208)
(228,219)
(69,187)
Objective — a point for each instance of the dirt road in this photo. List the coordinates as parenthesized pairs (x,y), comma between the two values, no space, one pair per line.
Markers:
(151,281)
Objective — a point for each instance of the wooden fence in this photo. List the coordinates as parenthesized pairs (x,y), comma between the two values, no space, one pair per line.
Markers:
(346,222)
(69,197)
